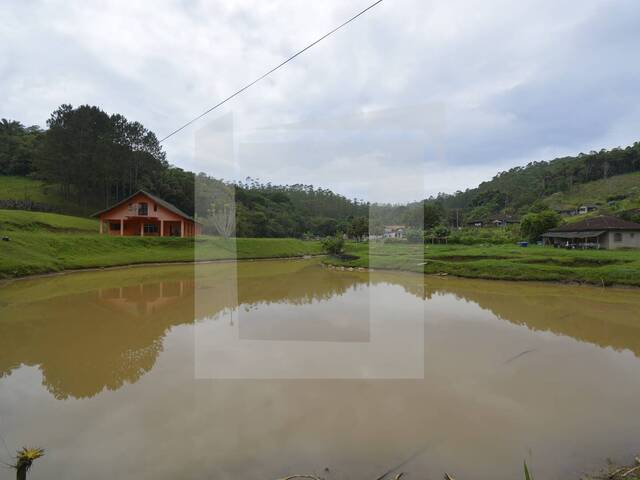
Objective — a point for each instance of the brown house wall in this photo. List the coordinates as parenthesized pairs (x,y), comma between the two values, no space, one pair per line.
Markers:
(156,214)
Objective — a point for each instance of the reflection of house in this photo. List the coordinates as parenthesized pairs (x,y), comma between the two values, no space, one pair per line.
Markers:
(587,208)
(145,214)
(145,298)
(599,232)
(394,231)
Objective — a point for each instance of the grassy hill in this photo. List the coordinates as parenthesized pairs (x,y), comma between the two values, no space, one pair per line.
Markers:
(22,221)
(27,189)
(48,242)
(600,193)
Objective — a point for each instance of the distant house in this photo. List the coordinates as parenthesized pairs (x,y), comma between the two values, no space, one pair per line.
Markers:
(587,208)
(143,214)
(497,221)
(394,231)
(597,232)
(566,212)
(504,221)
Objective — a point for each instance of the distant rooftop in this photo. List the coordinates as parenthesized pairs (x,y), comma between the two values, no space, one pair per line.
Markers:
(604,222)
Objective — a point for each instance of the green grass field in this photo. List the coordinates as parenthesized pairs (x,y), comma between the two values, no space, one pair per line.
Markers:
(20,221)
(597,192)
(24,188)
(500,262)
(47,242)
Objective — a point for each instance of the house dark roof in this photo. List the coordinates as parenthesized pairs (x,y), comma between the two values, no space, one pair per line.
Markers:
(158,200)
(506,218)
(598,223)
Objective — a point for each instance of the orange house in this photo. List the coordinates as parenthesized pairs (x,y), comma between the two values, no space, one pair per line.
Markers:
(143,214)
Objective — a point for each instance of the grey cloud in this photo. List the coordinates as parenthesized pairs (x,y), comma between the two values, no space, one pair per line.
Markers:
(515,81)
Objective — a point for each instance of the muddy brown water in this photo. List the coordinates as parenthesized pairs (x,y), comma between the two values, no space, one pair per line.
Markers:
(264,369)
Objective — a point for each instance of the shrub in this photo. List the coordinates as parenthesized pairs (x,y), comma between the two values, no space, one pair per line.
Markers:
(495,236)
(395,240)
(333,245)
(535,224)
(414,235)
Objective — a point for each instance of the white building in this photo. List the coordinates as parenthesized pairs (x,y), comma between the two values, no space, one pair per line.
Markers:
(394,231)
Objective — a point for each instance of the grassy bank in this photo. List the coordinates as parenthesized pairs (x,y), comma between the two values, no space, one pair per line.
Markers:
(45,242)
(500,262)
(28,189)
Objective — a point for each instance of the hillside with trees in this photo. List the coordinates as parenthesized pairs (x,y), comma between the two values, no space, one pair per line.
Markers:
(87,159)
(514,191)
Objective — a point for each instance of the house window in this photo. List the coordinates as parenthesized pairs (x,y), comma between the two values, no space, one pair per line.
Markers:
(617,237)
(114,226)
(150,228)
(143,208)
(155,207)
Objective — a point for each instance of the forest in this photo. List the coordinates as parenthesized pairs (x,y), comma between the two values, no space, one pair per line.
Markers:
(96,159)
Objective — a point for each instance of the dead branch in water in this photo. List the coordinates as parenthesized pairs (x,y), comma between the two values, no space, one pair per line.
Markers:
(313,477)
(310,477)
(624,472)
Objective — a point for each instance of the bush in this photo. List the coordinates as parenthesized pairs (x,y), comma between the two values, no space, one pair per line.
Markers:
(441,231)
(494,236)
(395,240)
(535,224)
(333,245)
(414,235)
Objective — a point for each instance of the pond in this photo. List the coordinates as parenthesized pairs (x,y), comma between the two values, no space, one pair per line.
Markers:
(259,370)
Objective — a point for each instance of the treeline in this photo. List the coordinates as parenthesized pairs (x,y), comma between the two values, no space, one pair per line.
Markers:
(93,158)
(516,190)
(265,210)
(96,159)
(18,146)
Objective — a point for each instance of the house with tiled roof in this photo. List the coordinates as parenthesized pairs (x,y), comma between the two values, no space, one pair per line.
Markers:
(598,232)
(144,214)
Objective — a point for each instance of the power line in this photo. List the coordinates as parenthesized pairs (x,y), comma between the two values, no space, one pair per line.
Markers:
(270,71)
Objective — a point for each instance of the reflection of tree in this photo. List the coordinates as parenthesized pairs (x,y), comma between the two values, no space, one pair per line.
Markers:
(605,318)
(95,331)
(87,340)
(84,343)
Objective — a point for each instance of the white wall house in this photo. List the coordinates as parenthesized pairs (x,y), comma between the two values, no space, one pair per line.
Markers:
(394,231)
(598,232)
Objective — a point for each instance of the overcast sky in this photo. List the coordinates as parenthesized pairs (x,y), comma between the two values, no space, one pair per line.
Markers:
(413,98)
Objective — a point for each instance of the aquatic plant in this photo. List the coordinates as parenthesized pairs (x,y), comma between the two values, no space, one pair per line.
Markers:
(26,457)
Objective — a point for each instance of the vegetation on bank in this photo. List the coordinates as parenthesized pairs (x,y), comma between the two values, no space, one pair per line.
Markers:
(26,193)
(45,242)
(497,262)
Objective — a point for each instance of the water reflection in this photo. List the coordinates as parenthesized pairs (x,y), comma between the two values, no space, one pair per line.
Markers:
(118,346)
(96,331)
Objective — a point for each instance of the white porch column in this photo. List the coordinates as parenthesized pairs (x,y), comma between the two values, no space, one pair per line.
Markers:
(101,224)
(142,229)
(182,228)
(162,228)
(121,226)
